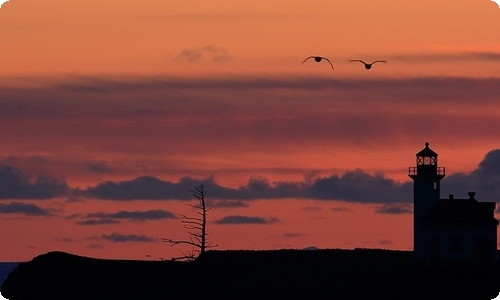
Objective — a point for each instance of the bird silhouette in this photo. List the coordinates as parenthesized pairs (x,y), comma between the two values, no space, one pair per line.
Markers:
(318,59)
(368,66)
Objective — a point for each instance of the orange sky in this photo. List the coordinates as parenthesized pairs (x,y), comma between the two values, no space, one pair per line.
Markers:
(94,91)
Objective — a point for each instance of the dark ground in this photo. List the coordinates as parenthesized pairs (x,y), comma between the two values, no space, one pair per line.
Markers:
(279,274)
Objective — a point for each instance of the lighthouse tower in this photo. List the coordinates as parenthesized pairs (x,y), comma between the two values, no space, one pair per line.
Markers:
(426,194)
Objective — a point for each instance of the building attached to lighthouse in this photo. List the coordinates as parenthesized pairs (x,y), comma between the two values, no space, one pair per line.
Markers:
(449,229)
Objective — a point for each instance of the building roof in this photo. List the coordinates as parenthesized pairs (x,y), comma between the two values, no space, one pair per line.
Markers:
(427,152)
(461,211)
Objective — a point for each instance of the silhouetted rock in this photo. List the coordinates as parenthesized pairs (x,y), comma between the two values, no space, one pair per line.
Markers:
(279,274)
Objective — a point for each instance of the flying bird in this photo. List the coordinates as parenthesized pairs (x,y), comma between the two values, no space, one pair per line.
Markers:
(368,66)
(318,59)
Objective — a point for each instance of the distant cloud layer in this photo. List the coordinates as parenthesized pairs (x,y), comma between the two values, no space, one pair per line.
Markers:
(238,219)
(214,53)
(124,238)
(352,186)
(14,184)
(24,209)
(484,180)
(447,57)
(100,218)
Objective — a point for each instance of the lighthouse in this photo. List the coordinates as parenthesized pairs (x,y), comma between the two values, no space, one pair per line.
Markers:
(426,194)
(451,229)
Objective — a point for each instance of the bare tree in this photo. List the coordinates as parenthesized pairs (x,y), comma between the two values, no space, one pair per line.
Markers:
(196,227)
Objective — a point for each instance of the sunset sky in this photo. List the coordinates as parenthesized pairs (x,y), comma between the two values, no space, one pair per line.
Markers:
(111,110)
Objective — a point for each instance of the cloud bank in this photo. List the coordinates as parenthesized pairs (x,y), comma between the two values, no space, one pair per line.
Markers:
(354,186)
(15,184)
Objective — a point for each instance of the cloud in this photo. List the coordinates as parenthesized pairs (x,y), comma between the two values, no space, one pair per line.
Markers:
(98,222)
(310,208)
(447,57)
(65,240)
(124,238)
(237,219)
(101,218)
(484,180)
(216,54)
(14,184)
(394,208)
(340,209)
(98,167)
(95,246)
(353,186)
(384,242)
(25,209)
(227,203)
(144,187)
(292,234)
(156,214)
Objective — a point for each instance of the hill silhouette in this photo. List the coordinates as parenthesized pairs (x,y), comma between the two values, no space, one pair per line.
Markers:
(277,274)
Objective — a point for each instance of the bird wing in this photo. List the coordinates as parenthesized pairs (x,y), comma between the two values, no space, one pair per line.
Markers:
(308,58)
(382,61)
(328,62)
(351,60)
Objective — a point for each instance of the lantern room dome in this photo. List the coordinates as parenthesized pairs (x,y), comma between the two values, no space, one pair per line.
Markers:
(427,152)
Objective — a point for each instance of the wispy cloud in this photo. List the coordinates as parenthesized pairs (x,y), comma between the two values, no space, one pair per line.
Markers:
(98,222)
(238,219)
(394,208)
(25,209)
(310,208)
(384,242)
(213,52)
(101,218)
(227,203)
(95,246)
(340,209)
(124,238)
(65,240)
(431,57)
(292,235)
(99,167)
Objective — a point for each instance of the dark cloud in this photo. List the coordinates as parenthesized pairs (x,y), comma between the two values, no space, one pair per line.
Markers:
(102,218)
(384,242)
(15,184)
(340,209)
(65,240)
(447,57)
(237,219)
(25,209)
(292,234)
(214,53)
(98,222)
(156,214)
(123,238)
(311,208)
(95,246)
(98,167)
(227,203)
(144,187)
(394,208)
(484,180)
(353,186)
